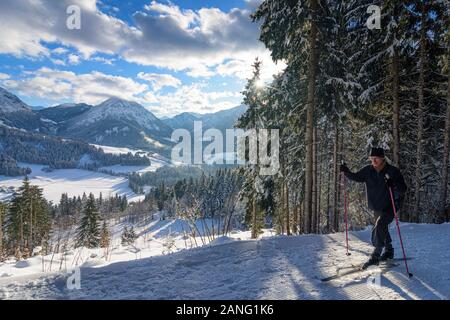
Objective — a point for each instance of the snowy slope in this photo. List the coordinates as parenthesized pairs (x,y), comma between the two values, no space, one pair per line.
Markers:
(17,114)
(277,267)
(119,123)
(11,103)
(73,182)
(118,109)
(156,160)
(64,112)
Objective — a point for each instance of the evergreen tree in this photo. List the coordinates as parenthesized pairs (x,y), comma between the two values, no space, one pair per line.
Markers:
(128,236)
(88,232)
(3,210)
(105,238)
(252,120)
(27,221)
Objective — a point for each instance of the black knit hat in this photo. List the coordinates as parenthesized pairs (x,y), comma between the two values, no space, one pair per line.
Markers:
(377,152)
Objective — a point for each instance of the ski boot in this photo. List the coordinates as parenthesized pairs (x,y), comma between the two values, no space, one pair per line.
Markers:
(373,261)
(388,254)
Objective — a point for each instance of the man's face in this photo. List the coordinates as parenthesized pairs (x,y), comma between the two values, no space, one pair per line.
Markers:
(377,162)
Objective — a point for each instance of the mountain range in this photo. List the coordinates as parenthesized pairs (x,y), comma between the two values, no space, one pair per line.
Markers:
(114,122)
(221,120)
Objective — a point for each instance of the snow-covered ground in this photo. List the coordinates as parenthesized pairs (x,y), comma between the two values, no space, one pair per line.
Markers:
(155,164)
(274,267)
(116,150)
(155,237)
(156,160)
(73,182)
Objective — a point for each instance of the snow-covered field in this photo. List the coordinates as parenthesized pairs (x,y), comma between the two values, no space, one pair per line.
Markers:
(73,182)
(156,161)
(76,181)
(155,237)
(274,267)
(116,150)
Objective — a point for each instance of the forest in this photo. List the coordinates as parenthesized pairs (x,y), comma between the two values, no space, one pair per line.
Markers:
(348,87)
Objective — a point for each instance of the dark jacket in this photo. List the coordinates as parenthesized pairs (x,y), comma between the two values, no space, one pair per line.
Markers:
(378,197)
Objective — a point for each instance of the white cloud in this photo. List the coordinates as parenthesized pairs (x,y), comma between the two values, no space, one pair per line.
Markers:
(238,68)
(58,62)
(163,35)
(159,81)
(93,87)
(27,23)
(74,59)
(200,71)
(193,98)
(4,76)
(243,68)
(103,60)
(183,18)
(60,50)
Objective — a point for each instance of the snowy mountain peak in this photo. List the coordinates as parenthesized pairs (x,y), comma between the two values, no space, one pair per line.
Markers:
(116,108)
(121,123)
(66,105)
(11,103)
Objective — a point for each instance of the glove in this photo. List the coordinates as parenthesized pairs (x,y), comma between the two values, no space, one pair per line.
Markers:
(343,168)
(389,182)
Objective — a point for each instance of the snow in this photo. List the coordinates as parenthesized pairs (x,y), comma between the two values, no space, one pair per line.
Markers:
(11,103)
(117,150)
(152,141)
(154,237)
(156,160)
(48,121)
(129,169)
(272,267)
(118,109)
(73,182)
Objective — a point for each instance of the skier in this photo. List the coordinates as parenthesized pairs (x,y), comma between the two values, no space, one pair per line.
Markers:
(378,177)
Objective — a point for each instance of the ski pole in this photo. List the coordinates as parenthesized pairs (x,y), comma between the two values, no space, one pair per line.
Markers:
(345,211)
(398,229)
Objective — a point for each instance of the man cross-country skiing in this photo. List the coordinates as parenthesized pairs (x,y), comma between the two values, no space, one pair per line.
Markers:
(378,177)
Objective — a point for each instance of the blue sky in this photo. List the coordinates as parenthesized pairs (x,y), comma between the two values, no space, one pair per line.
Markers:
(170,56)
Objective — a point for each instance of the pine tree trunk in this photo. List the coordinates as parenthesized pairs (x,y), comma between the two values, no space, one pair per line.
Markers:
(328,199)
(282,205)
(30,242)
(254,219)
(301,211)
(319,189)
(395,108)
(21,240)
(288,227)
(314,187)
(295,217)
(310,116)
(335,180)
(420,118)
(444,183)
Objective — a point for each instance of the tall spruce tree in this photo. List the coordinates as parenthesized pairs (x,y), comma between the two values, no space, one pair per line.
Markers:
(27,222)
(3,210)
(88,232)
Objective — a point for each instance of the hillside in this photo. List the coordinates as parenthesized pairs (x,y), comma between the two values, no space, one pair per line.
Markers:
(277,267)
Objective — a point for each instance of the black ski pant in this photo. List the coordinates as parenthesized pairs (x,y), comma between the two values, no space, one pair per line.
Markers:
(380,232)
